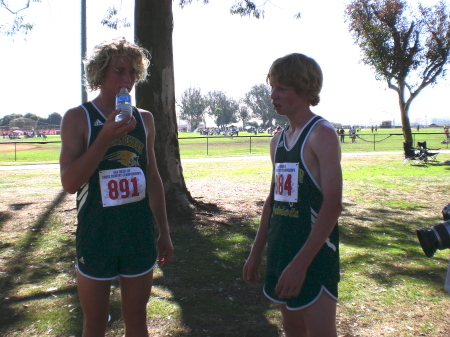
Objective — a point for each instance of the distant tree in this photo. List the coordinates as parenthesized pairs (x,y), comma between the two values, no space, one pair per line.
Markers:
(259,102)
(407,48)
(193,106)
(223,109)
(281,120)
(244,115)
(54,119)
(6,119)
(32,116)
(253,124)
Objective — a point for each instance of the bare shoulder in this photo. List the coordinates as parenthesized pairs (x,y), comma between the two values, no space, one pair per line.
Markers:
(76,112)
(325,126)
(324,140)
(275,138)
(74,120)
(74,135)
(273,144)
(324,132)
(146,114)
(147,117)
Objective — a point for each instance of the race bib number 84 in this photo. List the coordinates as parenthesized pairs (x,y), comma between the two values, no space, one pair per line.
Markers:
(122,186)
(286,182)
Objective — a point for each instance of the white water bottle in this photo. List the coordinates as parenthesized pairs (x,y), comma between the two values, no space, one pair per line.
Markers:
(123,102)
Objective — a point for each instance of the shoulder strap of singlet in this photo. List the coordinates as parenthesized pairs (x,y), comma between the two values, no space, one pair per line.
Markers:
(90,110)
(304,133)
(139,118)
(308,127)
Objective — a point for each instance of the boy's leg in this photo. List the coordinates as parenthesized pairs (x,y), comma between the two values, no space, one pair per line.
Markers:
(135,293)
(94,299)
(294,324)
(316,320)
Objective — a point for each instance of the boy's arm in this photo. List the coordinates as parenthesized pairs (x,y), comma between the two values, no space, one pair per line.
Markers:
(77,161)
(156,196)
(325,147)
(253,263)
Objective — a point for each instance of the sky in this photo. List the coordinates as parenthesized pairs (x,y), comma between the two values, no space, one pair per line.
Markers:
(213,50)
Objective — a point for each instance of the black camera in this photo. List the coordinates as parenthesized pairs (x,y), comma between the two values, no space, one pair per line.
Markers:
(437,236)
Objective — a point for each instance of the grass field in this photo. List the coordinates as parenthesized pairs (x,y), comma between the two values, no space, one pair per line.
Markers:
(193,145)
(388,287)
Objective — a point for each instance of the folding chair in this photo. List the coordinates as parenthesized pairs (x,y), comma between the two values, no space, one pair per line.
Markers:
(412,155)
(430,154)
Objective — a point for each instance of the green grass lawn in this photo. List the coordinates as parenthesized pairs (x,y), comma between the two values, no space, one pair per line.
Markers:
(193,145)
(388,287)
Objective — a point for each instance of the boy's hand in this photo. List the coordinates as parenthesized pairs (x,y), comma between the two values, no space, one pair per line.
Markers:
(115,129)
(165,250)
(250,272)
(290,282)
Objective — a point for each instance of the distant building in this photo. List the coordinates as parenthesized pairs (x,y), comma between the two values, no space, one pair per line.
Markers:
(183,126)
(25,124)
(386,124)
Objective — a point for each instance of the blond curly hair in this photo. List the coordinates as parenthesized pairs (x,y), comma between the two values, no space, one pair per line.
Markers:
(95,66)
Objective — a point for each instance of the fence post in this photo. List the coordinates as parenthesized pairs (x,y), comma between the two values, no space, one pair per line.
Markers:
(207,145)
(15,152)
(250,144)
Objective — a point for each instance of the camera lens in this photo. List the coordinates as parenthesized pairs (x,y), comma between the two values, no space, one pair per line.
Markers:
(428,241)
(435,237)
(446,212)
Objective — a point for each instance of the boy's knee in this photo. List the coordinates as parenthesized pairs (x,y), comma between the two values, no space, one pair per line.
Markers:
(95,326)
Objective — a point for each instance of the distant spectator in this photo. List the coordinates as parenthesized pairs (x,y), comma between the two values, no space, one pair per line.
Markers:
(342,134)
(278,129)
(353,134)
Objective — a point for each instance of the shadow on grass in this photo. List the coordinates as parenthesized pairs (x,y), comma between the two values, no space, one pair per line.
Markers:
(205,277)
(205,280)
(390,246)
(24,270)
(4,216)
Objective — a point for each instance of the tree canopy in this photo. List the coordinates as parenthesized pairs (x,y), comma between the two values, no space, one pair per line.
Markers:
(260,104)
(256,104)
(406,47)
(18,23)
(52,119)
(222,108)
(192,106)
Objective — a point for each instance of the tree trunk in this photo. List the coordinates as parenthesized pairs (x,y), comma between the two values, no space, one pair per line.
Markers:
(404,112)
(153,31)
(406,126)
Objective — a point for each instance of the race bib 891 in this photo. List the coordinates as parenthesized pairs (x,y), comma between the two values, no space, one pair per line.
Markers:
(286,182)
(122,186)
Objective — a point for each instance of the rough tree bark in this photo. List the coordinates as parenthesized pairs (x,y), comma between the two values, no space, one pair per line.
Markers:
(153,30)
